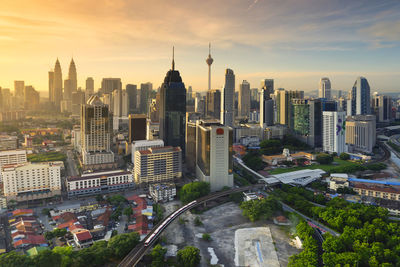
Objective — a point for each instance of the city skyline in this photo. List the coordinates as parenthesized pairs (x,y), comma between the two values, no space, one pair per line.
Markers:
(293,43)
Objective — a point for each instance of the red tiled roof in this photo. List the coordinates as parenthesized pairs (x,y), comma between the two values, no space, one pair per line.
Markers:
(31,240)
(75,227)
(105,217)
(385,189)
(66,224)
(18,211)
(83,235)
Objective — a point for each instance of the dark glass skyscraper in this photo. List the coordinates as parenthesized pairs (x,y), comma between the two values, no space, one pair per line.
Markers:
(173,109)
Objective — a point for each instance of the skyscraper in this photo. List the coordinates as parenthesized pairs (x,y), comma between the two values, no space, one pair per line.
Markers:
(244,99)
(57,85)
(360,98)
(145,90)
(131,90)
(121,105)
(361,133)
(19,88)
(227,99)
(209,61)
(137,127)
(266,103)
(283,100)
(31,98)
(333,132)
(213,104)
(51,86)
(89,87)
(96,130)
(382,107)
(108,85)
(324,90)
(307,121)
(173,109)
(77,99)
(72,76)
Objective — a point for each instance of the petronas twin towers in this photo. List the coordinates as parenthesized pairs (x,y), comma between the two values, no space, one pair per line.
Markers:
(58,92)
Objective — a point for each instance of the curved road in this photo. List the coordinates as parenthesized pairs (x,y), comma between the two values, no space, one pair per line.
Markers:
(140,250)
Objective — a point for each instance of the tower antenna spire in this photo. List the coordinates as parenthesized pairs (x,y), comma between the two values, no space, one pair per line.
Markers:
(209,48)
(173,58)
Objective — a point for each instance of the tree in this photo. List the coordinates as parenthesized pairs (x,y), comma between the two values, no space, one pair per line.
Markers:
(49,235)
(157,256)
(260,209)
(236,197)
(206,237)
(192,191)
(47,258)
(116,200)
(123,243)
(188,257)
(323,158)
(344,156)
(128,212)
(14,259)
(59,232)
(197,221)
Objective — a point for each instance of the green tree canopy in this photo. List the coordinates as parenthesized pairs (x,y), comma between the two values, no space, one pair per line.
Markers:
(123,243)
(192,191)
(188,257)
(323,158)
(157,256)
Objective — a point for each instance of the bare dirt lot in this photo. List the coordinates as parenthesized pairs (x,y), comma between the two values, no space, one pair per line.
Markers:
(221,223)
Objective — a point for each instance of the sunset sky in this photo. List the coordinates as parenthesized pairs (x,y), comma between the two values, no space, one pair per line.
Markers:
(294,42)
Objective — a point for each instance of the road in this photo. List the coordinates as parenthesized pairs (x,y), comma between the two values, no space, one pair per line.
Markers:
(71,167)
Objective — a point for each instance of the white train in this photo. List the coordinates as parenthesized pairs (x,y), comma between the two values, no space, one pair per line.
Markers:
(172,217)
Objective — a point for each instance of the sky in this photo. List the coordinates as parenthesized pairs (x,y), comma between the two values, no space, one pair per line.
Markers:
(294,42)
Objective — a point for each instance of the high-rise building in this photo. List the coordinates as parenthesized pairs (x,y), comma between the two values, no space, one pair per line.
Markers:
(27,181)
(51,87)
(360,98)
(266,103)
(12,157)
(131,90)
(173,109)
(244,99)
(145,91)
(96,132)
(137,127)
(158,164)
(89,91)
(209,61)
(213,104)
(382,107)
(57,85)
(283,101)
(19,89)
(334,132)
(77,99)
(307,121)
(108,85)
(67,90)
(200,105)
(6,99)
(361,133)
(227,99)
(121,105)
(72,76)
(324,90)
(31,98)
(214,154)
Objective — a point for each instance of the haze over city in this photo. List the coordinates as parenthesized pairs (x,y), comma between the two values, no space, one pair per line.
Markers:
(293,42)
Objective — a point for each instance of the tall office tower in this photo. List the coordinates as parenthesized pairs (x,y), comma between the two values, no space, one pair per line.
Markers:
(137,127)
(121,105)
(19,87)
(67,90)
(266,103)
(200,105)
(214,154)
(268,86)
(209,61)
(283,100)
(254,99)
(6,102)
(51,86)
(244,99)
(213,104)
(131,90)
(89,91)
(339,94)
(145,91)
(324,90)
(190,153)
(173,109)
(108,85)
(361,133)
(227,98)
(31,98)
(329,105)
(307,121)
(57,85)
(360,98)
(78,99)
(96,132)
(382,107)
(72,76)
(333,132)
(189,99)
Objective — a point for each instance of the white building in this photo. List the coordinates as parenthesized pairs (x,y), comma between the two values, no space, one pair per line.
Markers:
(227,99)
(12,157)
(361,133)
(144,145)
(28,181)
(162,192)
(99,182)
(214,163)
(121,104)
(333,131)
(301,177)
(338,180)
(324,90)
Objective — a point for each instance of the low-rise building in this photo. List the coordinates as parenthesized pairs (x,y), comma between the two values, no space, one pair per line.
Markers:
(83,238)
(338,180)
(28,181)
(377,191)
(162,192)
(286,156)
(99,182)
(8,142)
(253,141)
(158,164)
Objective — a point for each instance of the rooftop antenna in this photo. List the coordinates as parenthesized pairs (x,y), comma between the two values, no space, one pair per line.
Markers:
(173,55)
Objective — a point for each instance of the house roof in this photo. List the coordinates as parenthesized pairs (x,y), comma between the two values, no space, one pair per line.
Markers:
(83,235)
(31,240)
